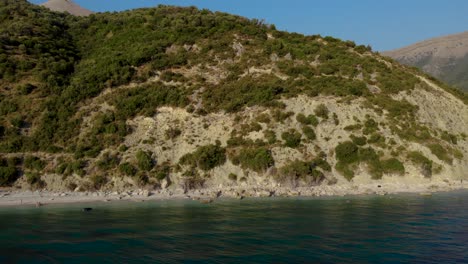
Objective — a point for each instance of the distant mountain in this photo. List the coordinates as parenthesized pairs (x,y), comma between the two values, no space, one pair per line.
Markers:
(67,6)
(444,57)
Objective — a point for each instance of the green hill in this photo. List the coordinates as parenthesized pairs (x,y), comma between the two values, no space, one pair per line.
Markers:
(189,98)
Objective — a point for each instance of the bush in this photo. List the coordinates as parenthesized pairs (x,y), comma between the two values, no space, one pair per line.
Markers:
(419,159)
(232,177)
(281,116)
(108,161)
(206,157)
(393,166)
(360,141)
(440,152)
(322,111)
(309,120)
(256,159)
(162,172)
(347,152)
(127,169)
(345,170)
(292,138)
(270,136)
(173,133)
(98,181)
(309,132)
(305,170)
(33,163)
(144,160)
(34,179)
(301,118)
(8,175)
(370,126)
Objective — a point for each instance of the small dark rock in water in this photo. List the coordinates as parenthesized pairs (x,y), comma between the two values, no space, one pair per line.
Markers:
(87,209)
(380,186)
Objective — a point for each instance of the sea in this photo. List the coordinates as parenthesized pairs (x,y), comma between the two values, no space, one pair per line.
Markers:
(407,228)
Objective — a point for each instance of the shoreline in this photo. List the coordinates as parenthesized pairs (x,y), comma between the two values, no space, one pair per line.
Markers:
(22,198)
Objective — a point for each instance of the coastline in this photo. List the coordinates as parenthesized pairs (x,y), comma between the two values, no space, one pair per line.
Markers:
(16,198)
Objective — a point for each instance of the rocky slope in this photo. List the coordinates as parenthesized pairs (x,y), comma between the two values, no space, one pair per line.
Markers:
(444,57)
(181,99)
(67,6)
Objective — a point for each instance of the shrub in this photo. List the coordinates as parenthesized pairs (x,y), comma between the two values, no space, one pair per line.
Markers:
(173,133)
(419,159)
(141,178)
(257,159)
(322,111)
(98,181)
(263,118)
(162,172)
(34,179)
(370,126)
(123,148)
(335,119)
(281,116)
(376,138)
(270,136)
(292,138)
(205,157)
(301,118)
(393,166)
(33,163)
(127,169)
(144,160)
(347,152)
(255,127)
(353,127)
(309,120)
(306,170)
(449,138)
(309,132)
(440,152)
(192,181)
(232,177)
(8,175)
(360,141)
(345,170)
(107,161)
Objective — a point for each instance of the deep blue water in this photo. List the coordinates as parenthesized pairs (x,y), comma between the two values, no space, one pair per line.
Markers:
(388,229)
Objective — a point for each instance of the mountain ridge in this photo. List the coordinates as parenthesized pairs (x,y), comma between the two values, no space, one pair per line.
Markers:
(444,57)
(67,6)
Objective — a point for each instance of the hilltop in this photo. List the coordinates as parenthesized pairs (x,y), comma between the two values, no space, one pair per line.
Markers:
(181,99)
(66,6)
(444,57)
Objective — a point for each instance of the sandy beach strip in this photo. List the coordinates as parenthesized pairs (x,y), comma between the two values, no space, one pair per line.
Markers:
(13,198)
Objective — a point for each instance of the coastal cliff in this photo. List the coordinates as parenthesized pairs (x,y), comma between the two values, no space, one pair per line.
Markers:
(178,100)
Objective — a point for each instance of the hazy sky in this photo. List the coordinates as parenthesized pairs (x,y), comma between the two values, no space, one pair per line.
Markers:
(383,24)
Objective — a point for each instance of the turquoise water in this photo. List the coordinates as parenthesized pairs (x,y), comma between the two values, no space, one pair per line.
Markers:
(388,229)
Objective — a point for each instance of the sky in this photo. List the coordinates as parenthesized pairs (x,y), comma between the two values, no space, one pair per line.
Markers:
(382,24)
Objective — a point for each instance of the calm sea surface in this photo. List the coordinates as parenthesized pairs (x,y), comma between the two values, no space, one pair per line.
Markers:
(388,229)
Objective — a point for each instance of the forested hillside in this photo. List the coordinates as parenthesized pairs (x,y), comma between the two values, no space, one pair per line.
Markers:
(183,97)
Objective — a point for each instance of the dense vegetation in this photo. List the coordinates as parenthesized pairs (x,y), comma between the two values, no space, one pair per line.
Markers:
(53,67)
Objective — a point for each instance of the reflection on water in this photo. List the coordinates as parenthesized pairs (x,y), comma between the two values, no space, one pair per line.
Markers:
(386,229)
